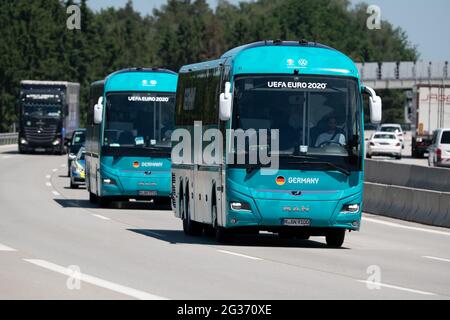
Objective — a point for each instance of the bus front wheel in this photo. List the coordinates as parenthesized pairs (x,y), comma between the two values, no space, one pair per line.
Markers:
(104,202)
(222,235)
(93,197)
(335,238)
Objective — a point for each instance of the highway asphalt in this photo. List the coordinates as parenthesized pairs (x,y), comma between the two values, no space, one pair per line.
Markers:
(55,245)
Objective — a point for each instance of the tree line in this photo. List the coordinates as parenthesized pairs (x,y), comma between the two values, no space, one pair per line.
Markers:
(36,43)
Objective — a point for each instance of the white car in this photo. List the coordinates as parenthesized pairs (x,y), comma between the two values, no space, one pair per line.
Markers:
(439,151)
(384,144)
(394,128)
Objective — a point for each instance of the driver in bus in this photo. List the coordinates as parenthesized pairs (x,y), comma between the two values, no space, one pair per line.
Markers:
(333,135)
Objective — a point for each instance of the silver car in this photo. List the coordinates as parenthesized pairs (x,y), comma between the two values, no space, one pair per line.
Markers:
(439,151)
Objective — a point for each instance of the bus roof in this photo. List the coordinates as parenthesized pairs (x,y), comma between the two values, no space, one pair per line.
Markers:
(283,57)
(142,79)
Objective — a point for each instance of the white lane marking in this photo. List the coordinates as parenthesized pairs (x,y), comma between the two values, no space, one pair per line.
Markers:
(436,258)
(56,193)
(396,287)
(239,255)
(396,225)
(141,295)
(6,157)
(48,176)
(101,217)
(6,248)
(48,184)
(54,170)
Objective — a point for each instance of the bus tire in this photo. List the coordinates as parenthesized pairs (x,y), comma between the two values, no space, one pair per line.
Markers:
(286,235)
(104,202)
(302,236)
(335,238)
(93,197)
(190,227)
(222,235)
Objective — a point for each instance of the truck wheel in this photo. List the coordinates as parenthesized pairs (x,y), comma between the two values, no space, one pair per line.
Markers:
(368,156)
(190,227)
(335,238)
(93,197)
(398,157)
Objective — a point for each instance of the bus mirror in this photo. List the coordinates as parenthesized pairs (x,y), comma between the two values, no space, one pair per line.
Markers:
(98,111)
(375,105)
(225,103)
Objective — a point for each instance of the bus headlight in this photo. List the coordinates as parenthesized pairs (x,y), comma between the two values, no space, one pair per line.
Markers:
(23,141)
(109,181)
(350,208)
(240,206)
(57,142)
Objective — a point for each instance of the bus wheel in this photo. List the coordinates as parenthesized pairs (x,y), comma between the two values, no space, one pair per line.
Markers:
(286,235)
(190,227)
(335,238)
(93,197)
(222,235)
(104,202)
(302,236)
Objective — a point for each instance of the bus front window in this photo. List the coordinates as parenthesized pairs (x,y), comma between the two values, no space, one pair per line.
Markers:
(139,120)
(317,117)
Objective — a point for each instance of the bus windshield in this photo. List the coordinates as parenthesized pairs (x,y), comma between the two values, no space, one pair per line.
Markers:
(317,117)
(139,120)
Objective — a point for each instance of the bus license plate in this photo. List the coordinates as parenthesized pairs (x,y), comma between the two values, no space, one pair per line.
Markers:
(148,193)
(297,222)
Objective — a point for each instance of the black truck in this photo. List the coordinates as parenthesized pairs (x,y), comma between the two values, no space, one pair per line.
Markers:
(49,113)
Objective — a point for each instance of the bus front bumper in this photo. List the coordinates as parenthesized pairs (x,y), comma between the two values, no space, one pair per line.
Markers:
(275,214)
(137,188)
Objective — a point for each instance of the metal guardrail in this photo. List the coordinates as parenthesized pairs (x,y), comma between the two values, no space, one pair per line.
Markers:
(8,138)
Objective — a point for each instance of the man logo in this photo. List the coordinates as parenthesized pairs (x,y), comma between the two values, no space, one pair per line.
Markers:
(280,180)
(303,62)
(136,164)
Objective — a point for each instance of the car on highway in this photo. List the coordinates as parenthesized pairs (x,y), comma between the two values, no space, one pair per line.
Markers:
(78,170)
(394,128)
(384,144)
(73,145)
(439,151)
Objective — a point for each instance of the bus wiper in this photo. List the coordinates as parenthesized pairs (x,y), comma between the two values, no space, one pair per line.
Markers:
(153,148)
(293,156)
(329,164)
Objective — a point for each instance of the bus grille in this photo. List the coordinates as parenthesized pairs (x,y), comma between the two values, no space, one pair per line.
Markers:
(40,135)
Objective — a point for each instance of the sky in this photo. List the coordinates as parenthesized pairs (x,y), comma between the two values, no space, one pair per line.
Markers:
(426,22)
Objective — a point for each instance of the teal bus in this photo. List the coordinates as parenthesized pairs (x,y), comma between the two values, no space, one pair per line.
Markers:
(129,124)
(311,97)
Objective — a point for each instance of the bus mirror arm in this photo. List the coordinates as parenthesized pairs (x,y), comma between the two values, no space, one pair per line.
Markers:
(375,105)
(225,103)
(98,111)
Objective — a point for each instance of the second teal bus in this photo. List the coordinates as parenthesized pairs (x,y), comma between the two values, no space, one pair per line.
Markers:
(130,121)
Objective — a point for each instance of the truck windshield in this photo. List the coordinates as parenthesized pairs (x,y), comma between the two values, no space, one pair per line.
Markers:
(42,110)
(318,117)
(139,120)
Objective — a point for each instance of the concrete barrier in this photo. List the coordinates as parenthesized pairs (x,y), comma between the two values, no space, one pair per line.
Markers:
(418,177)
(415,205)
